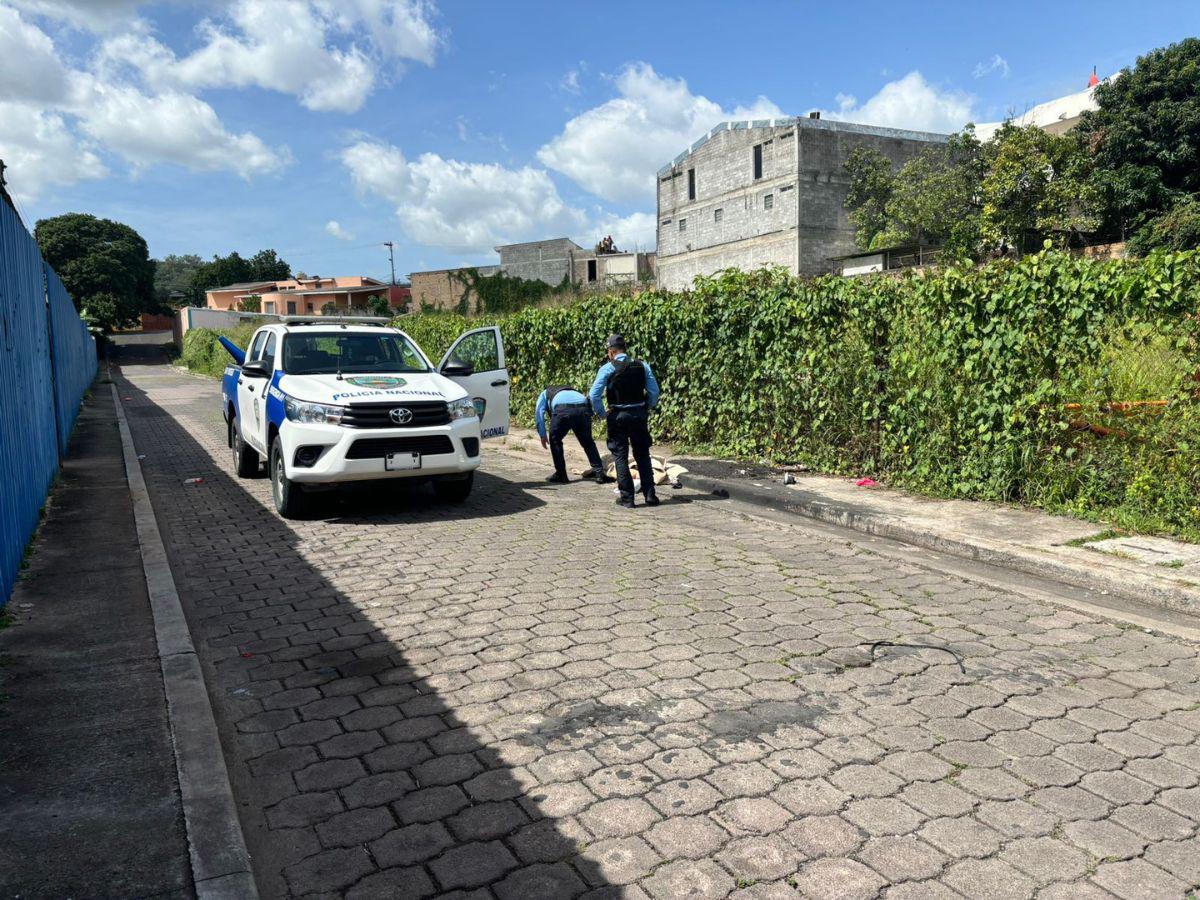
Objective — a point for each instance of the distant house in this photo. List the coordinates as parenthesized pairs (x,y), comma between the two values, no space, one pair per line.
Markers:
(309,295)
(553,261)
(1056,116)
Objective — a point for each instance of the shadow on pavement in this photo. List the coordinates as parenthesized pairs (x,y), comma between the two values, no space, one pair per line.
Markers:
(354,775)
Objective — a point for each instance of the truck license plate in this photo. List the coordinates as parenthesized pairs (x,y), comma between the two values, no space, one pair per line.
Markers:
(394,462)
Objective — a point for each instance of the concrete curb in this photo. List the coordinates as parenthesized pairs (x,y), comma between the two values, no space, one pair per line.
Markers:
(1120,582)
(220,862)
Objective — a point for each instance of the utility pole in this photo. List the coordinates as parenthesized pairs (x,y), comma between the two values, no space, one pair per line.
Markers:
(391,258)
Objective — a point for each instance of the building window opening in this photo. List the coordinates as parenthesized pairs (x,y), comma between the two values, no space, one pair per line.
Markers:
(691,184)
(768,201)
(718,214)
(683,224)
(591,270)
(757,161)
(291,307)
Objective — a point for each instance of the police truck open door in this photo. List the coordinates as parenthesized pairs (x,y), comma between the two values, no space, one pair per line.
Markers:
(476,361)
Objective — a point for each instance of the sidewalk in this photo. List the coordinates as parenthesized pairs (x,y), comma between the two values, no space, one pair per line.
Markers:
(89,797)
(1152,570)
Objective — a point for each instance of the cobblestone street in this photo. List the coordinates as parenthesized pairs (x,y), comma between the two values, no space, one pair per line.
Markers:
(537,694)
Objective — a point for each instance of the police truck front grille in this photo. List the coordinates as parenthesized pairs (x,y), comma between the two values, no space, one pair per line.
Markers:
(377,448)
(379,415)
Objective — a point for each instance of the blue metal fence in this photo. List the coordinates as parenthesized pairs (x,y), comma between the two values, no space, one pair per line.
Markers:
(47,362)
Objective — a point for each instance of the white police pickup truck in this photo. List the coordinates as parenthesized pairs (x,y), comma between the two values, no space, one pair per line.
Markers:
(326,401)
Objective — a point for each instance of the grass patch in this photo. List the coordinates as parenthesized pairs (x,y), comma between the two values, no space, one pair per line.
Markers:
(1106,535)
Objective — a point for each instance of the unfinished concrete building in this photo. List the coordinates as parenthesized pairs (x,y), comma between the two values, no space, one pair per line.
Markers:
(553,261)
(766,192)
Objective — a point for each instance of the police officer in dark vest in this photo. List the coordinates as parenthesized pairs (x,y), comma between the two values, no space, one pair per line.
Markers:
(631,391)
(568,411)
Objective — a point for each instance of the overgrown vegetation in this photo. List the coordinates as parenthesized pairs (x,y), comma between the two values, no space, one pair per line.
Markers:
(203,354)
(499,293)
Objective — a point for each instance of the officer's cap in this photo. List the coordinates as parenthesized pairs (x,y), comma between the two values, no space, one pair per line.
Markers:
(616,341)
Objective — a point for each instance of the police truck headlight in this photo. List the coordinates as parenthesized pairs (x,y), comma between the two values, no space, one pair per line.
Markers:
(461,409)
(312,413)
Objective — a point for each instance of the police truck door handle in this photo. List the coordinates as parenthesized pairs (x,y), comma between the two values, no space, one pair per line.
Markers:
(500,383)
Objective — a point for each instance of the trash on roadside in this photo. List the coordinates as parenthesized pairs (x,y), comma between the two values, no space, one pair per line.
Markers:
(141,456)
(789,478)
(867,482)
(193,481)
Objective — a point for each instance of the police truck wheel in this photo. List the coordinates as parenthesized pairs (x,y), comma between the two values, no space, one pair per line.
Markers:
(454,490)
(289,498)
(245,457)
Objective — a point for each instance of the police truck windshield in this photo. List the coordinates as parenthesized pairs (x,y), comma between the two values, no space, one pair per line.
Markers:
(329,353)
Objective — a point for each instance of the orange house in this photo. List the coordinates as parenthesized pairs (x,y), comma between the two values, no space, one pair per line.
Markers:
(309,296)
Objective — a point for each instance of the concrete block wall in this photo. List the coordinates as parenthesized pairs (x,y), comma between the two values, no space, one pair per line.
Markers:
(801,226)
(548,261)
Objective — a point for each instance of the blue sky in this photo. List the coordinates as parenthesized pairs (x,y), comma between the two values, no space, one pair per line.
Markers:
(322,128)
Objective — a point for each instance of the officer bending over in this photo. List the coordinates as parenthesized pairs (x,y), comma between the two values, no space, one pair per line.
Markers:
(632,391)
(569,411)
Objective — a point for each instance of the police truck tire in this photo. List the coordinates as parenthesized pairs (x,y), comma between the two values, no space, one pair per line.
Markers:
(288,496)
(245,457)
(454,490)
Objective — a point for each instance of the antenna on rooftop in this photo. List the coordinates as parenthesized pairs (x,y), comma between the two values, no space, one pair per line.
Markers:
(1095,79)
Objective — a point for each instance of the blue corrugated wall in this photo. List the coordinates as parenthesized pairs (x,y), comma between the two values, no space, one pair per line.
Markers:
(47,362)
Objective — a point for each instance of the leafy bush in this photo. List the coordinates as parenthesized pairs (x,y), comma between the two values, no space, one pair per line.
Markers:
(204,354)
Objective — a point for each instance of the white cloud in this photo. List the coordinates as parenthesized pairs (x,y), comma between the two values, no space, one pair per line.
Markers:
(175,128)
(41,152)
(336,230)
(570,82)
(910,102)
(330,56)
(30,68)
(613,150)
(469,207)
(94,15)
(57,121)
(996,64)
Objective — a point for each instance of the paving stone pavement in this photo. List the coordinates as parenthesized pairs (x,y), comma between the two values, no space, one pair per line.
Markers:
(538,694)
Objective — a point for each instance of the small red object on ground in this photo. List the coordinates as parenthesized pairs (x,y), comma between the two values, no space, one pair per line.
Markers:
(867,482)
(193,481)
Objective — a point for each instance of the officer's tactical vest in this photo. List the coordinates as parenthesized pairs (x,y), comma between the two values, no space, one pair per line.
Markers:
(555,389)
(627,385)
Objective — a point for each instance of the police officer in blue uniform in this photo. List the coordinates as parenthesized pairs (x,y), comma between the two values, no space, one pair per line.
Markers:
(631,390)
(569,412)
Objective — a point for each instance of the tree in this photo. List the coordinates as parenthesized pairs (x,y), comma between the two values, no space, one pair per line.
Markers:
(173,277)
(251,303)
(1144,136)
(1176,229)
(105,266)
(933,199)
(379,305)
(1036,188)
(235,269)
(329,309)
(872,184)
(265,265)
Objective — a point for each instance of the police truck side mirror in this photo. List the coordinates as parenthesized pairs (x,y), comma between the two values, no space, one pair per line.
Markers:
(457,369)
(257,369)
